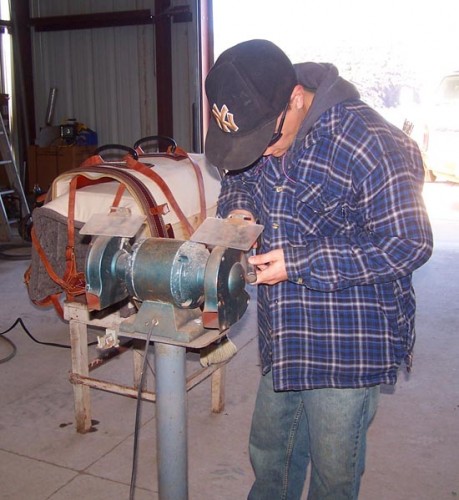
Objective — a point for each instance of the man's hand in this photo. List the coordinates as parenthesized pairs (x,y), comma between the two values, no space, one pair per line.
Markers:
(270,267)
(242,215)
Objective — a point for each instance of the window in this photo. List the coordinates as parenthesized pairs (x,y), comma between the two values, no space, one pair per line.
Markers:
(384,48)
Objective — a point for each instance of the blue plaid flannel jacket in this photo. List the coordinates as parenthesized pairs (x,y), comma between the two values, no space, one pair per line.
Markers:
(346,206)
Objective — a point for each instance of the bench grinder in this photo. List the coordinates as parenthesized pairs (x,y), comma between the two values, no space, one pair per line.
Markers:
(190,293)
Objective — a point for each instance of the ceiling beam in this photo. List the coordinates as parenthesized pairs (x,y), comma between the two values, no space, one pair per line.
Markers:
(109,19)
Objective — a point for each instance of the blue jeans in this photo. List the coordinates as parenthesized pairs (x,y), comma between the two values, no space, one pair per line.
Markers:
(326,427)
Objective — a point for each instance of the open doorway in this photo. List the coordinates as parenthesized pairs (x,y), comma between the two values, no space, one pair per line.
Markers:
(394,52)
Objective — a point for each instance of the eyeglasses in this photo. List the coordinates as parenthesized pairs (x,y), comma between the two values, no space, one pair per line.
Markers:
(278,132)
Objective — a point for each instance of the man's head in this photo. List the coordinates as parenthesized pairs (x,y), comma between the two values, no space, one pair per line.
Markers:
(248,88)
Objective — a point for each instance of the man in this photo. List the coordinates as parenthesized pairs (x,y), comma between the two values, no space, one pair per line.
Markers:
(339,192)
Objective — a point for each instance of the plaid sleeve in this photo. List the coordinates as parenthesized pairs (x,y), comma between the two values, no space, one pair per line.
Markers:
(236,194)
(388,233)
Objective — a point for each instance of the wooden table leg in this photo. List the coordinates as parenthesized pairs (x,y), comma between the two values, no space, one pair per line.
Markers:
(218,389)
(82,401)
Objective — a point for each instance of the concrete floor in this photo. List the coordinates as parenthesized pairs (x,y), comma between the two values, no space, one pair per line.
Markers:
(413,449)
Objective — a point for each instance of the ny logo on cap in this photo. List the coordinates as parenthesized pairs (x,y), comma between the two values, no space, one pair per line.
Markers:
(224,119)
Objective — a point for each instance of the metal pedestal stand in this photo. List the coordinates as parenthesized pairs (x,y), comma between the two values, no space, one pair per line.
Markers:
(171,422)
(173,332)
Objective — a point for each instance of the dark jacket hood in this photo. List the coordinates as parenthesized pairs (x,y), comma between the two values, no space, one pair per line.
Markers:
(329,88)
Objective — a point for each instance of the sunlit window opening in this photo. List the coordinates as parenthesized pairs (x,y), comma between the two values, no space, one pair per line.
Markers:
(395,52)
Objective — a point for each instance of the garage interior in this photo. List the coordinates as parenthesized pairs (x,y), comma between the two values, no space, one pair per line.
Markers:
(413,444)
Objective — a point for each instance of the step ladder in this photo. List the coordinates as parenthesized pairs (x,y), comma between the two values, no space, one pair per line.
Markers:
(15,191)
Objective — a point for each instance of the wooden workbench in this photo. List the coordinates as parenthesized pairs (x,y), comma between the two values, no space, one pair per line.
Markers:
(79,320)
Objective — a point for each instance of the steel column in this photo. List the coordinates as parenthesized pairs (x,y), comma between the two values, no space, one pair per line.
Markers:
(171,421)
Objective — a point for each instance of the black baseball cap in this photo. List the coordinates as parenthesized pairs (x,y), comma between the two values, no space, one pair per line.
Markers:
(247,88)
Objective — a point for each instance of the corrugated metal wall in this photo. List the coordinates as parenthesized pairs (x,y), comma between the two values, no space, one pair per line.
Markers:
(105,77)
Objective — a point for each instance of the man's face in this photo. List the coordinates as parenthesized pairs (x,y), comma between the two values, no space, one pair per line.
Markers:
(289,124)
(289,128)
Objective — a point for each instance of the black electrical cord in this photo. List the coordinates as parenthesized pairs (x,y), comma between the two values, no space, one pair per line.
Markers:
(137,415)
(13,350)
(139,391)
(51,344)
